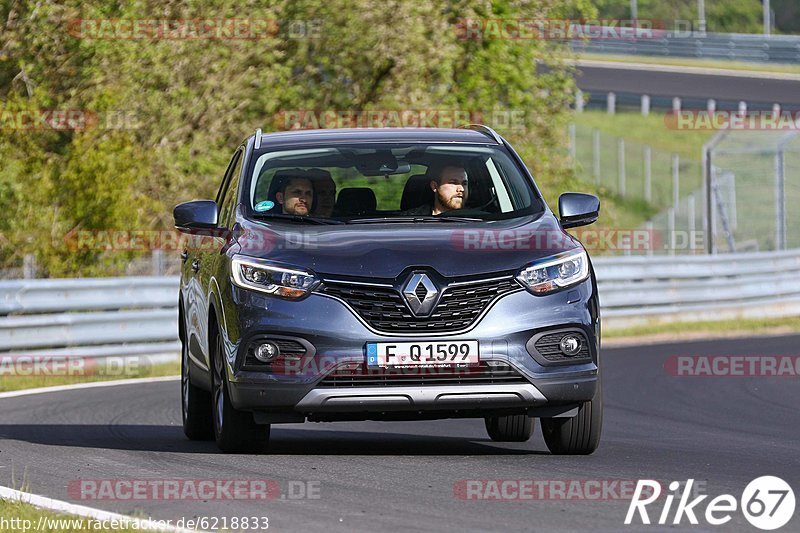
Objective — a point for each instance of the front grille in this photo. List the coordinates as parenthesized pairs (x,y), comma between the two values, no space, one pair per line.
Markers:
(382,377)
(548,347)
(384,308)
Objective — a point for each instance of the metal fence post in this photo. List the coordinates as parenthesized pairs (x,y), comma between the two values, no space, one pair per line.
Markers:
(579,103)
(690,208)
(648,178)
(621,165)
(648,226)
(29,266)
(708,193)
(611,103)
(708,211)
(157,259)
(676,177)
(596,155)
(780,200)
(645,105)
(671,230)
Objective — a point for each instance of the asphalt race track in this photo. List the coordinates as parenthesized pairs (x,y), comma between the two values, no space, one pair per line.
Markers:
(721,431)
(595,77)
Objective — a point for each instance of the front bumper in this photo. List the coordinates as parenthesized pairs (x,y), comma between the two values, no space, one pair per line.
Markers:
(452,397)
(339,337)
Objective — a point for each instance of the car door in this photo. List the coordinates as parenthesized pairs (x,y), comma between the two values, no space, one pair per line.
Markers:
(200,262)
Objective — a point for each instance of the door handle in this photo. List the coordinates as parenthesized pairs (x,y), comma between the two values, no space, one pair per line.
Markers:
(195,265)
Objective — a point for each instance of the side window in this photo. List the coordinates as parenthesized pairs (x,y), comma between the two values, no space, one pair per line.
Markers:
(226,199)
(226,178)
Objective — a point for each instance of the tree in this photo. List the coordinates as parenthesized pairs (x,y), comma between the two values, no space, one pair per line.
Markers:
(161,117)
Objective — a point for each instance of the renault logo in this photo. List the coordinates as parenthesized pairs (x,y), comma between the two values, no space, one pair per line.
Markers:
(420,293)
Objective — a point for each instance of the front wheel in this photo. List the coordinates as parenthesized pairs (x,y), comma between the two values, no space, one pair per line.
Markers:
(235,431)
(195,403)
(579,435)
(512,428)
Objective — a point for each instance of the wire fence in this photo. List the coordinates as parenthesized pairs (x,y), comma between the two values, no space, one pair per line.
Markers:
(755,188)
(658,186)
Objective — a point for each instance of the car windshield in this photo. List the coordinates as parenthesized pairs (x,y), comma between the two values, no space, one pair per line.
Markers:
(366,183)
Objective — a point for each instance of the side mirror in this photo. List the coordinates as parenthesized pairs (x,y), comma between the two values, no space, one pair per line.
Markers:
(578,209)
(197,214)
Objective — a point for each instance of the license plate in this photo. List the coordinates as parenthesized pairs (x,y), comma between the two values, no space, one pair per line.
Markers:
(412,354)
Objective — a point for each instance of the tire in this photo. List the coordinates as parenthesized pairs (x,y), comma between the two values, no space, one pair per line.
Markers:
(579,435)
(235,431)
(195,403)
(512,428)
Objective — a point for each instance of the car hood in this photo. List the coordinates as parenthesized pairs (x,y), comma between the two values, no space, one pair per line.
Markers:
(387,250)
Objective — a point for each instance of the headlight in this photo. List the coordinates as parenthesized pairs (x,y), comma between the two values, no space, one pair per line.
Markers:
(270,278)
(553,273)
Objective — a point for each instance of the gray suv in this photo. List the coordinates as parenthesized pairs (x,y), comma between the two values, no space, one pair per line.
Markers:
(387,274)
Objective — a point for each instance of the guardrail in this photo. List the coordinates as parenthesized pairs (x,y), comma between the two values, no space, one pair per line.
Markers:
(96,317)
(732,46)
(641,290)
(137,316)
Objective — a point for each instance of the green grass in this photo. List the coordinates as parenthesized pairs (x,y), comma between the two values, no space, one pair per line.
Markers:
(11,382)
(781,68)
(53,523)
(743,326)
(651,130)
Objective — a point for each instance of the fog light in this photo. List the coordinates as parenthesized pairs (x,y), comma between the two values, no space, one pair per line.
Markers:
(570,345)
(266,352)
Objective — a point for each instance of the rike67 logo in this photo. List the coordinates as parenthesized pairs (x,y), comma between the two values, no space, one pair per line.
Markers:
(767,503)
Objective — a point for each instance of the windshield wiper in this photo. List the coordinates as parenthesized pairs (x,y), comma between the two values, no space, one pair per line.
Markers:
(297,218)
(412,219)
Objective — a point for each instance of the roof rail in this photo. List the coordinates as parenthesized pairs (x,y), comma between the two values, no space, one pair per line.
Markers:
(257,144)
(486,130)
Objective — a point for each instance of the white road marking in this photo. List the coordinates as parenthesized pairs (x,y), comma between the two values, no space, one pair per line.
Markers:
(59,506)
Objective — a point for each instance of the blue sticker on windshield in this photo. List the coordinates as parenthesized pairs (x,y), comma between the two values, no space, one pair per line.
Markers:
(266,205)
